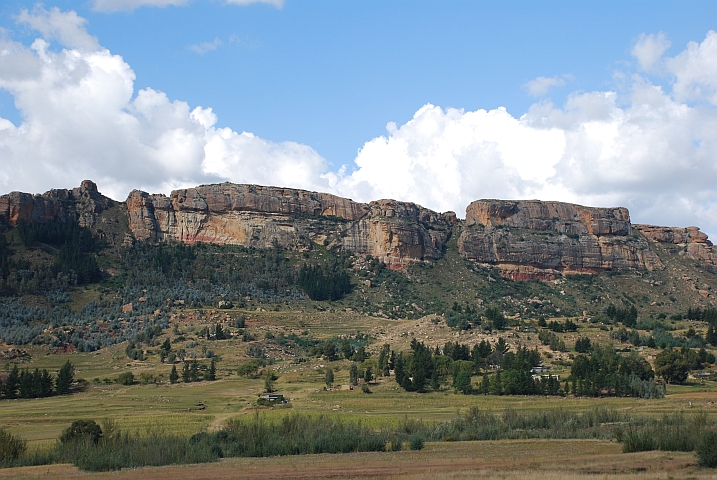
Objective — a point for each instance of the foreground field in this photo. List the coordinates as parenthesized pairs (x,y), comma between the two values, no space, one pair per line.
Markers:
(509,459)
(188,408)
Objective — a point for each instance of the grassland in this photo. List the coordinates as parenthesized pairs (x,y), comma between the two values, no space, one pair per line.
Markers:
(510,459)
(189,408)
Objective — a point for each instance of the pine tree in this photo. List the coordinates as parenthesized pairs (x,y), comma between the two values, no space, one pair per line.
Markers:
(25,390)
(485,384)
(185,373)
(173,375)
(462,382)
(329,377)
(46,384)
(346,349)
(368,375)
(211,374)
(711,336)
(64,378)
(12,383)
(194,371)
(219,333)
(496,384)
(353,374)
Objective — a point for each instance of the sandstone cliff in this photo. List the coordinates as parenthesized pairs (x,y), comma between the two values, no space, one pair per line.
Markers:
(541,240)
(84,204)
(526,239)
(689,241)
(398,233)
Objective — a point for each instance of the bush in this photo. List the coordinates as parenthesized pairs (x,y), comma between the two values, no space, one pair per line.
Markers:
(11,447)
(707,450)
(82,429)
(126,378)
(416,442)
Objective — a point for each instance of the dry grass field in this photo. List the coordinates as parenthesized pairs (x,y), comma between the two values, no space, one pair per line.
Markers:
(509,459)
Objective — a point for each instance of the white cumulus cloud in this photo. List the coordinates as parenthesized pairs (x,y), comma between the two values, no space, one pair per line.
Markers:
(649,50)
(83,119)
(539,87)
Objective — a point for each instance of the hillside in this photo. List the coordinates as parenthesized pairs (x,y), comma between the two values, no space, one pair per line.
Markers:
(365,311)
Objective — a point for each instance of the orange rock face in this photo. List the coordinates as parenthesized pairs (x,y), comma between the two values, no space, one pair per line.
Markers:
(694,243)
(83,204)
(542,240)
(398,233)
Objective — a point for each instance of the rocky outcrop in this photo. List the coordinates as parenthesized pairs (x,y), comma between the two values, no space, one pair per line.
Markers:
(549,216)
(84,204)
(689,241)
(398,233)
(542,240)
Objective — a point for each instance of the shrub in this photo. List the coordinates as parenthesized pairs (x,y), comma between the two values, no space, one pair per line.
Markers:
(416,442)
(82,429)
(126,378)
(11,447)
(707,450)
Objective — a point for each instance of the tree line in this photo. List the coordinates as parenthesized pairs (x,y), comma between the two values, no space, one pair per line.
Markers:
(38,383)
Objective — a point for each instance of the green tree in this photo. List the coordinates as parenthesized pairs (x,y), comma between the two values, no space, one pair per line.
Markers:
(583,345)
(711,336)
(126,378)
(672,366)
(186,378)
(9,389)
(173,375)
(368,375)
(346,349)
(65,377)
(81,429)
(47,384)
(462,382)
(194,371)
(219,333)
(496,384)
(383,359)
(211,373)
(329,377)
(353,374)
(164,350)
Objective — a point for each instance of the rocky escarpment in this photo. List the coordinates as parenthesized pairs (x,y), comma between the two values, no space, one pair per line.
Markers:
(689,241)
(398,233)
(531,239)
(83,204)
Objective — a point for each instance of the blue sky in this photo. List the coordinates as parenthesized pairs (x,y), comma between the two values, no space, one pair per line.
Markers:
(317,83)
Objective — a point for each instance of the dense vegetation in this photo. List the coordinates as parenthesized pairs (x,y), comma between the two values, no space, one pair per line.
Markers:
(105,447)
(36,384)
(72,247)
(319,283)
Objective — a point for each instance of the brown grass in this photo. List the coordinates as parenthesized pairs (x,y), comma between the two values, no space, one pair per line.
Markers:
(514,459)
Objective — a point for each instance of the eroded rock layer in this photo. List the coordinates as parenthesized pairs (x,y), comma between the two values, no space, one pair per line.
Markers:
(689,241)
(84,204)
(531,239)
(398,233)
